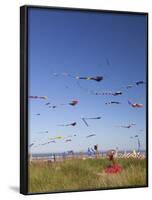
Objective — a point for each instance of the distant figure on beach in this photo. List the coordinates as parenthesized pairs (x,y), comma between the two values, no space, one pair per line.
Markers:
(54,157)
(96,150)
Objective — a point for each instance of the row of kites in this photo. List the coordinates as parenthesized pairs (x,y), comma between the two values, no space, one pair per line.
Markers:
(75,102)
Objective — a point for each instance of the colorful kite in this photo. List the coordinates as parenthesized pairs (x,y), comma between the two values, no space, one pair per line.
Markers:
(58,137)
(135,105)
(73,102)
(95,78)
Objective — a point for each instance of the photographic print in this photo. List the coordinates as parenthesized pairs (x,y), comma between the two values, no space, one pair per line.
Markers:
(83,99)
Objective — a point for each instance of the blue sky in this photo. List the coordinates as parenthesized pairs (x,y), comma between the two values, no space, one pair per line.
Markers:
(80,43)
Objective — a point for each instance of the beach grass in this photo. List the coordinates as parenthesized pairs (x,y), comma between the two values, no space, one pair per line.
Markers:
(78,174)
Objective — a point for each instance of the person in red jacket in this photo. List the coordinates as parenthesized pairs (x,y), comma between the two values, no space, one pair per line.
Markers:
(114,168)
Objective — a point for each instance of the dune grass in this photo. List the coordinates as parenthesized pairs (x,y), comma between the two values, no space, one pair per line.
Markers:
(86,174)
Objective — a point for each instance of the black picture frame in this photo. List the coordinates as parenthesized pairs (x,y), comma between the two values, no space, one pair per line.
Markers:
(24,93)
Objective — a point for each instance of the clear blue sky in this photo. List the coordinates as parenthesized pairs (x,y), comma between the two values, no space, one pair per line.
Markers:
(80,43)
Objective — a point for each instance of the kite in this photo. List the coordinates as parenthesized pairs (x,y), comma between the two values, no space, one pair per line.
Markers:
(129,86)
(38,97)
(58,137)
(90,135)
(91,151)
(38,114)
(128,126)
(53,141)
(31,144)
(111,93)
(47,103)
(95,78)
(136,136)
(71,135)
(44,132)
(117,93)
(52,106)
(113,102)
(140,83)
(68,140)
(71,124)
(135,105)
(71,103)
(84,119)
(106,93)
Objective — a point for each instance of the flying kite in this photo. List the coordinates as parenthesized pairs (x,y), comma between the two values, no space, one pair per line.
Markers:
(68,140)
(47,103)
(113,102)
(128,126)
(140,83)
(136,136)
(90,135)
(71,103)
(112,93)
(53,141)
(43,132)
(38,97)
(71,124)
(38,114)
(117,93)
(94,78)
(52,106)
(58,137)
(135,105)
(30,145)
(84,119)
(129,86)
(69,136)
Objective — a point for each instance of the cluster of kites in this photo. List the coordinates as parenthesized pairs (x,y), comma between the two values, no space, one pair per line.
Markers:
(74,102)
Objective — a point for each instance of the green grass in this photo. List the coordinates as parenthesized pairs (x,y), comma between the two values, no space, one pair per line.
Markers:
(86,174)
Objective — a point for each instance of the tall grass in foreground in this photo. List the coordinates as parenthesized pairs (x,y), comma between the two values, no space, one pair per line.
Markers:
(79,174)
